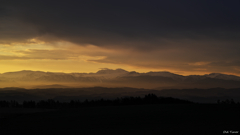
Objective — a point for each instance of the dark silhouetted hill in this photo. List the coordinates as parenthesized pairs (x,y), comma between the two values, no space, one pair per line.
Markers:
(94,93)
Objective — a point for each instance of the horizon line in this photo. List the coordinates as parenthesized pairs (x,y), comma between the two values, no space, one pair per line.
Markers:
(121,69)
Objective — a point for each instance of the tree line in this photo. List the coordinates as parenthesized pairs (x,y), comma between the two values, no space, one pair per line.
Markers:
(147,99)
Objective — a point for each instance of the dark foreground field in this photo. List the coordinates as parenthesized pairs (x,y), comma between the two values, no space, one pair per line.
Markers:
(191,119)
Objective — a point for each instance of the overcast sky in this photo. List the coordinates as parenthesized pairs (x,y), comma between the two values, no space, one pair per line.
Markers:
(180,36)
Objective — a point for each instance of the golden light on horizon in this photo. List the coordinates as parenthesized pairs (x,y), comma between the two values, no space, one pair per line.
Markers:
(63,56)
(73,58)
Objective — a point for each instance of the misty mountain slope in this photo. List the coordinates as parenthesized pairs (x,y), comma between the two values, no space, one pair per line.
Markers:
(206,82)
(17,74)
(118,78)
(165,74)
(223,76)
(144,81)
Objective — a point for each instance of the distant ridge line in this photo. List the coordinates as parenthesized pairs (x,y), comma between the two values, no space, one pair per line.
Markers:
(118,69)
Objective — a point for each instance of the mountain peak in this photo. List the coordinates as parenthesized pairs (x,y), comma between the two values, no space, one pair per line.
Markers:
(111,71)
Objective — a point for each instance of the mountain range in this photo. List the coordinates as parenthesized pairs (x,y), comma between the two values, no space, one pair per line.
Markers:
(117,78)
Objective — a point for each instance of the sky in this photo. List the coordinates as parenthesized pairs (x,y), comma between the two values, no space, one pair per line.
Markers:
(184,37)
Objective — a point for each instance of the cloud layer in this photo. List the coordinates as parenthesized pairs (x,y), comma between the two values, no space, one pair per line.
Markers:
(176,35)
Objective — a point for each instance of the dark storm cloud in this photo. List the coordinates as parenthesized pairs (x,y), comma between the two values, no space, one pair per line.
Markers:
(127,23)
(183,31)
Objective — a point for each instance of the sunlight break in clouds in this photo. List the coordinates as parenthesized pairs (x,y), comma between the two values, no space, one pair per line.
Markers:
(55,57)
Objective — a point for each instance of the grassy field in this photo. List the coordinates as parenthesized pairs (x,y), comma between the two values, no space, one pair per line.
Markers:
(194,119)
